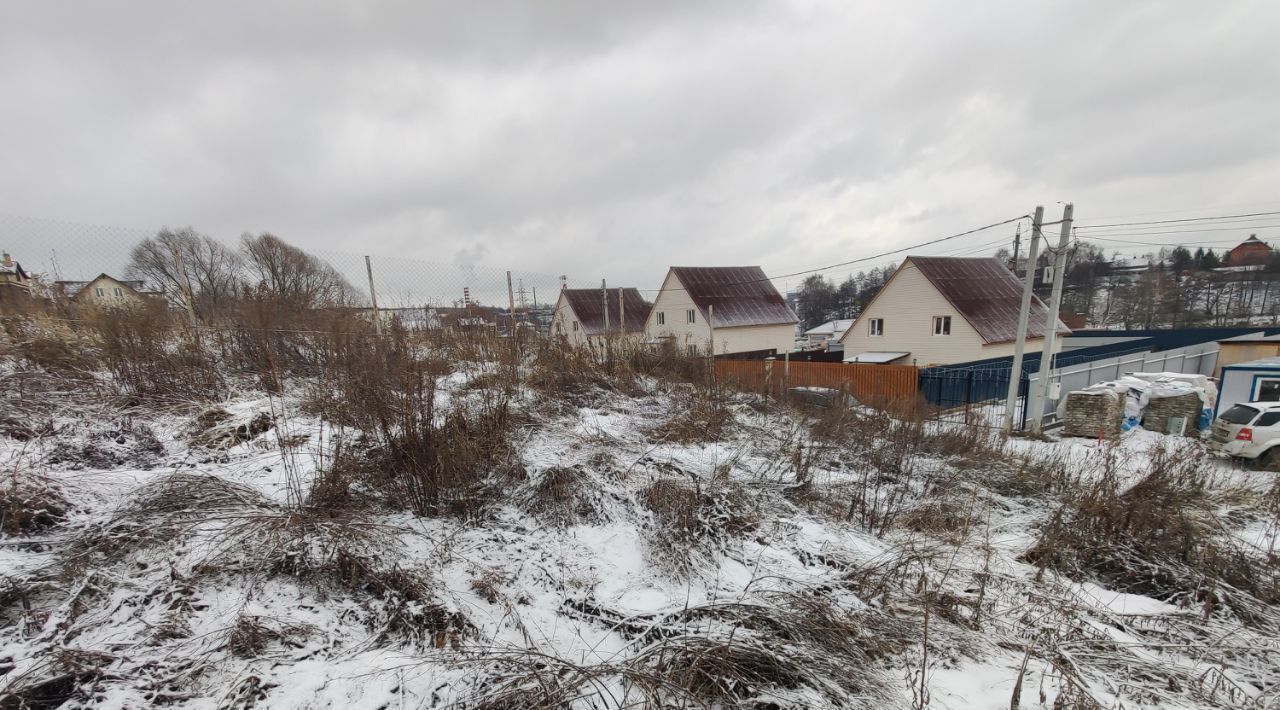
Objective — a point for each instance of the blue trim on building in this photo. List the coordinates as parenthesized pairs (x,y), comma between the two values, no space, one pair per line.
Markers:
(1217,406)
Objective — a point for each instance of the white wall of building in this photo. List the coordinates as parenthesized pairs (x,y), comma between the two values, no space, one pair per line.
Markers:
(565,323)
(106,291)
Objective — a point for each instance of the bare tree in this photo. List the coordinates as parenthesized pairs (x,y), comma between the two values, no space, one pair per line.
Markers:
(292,276)
(212,269)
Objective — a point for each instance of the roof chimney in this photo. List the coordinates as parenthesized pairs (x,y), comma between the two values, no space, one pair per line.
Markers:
(8,260)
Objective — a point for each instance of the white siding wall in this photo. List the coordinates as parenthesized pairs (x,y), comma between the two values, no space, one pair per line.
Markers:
(563,321)
(109,296)
(675,303)
(908,304)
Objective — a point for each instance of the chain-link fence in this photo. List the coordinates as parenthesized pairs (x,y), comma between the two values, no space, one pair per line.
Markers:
(53,251)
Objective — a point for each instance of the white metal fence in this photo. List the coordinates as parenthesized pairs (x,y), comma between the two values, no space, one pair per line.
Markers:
(1199,359)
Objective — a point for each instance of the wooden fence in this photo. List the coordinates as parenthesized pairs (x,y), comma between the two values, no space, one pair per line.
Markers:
(866,382)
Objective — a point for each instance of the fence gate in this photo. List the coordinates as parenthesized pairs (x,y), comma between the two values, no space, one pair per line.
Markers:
(973,394)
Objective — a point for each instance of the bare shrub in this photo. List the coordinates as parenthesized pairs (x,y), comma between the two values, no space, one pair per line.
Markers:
(150,357)
(669,362)
(1159,537)
(49,345)
(577,374)
(972,442)
(30,504)
(564,496)
(241,532)
(777,651)
(251,635)
(692,522)
(696,416)
(427,461)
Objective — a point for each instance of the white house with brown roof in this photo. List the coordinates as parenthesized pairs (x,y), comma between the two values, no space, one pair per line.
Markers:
(943,310)
(580,314)
(730,309)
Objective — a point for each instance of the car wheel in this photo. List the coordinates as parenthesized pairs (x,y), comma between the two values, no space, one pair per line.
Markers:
(1270,460)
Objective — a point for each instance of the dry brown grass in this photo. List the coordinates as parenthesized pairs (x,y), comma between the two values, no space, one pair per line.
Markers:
(151,357)
(30,504)
(696,416)
(1159,537)
(564,496)
(693,523)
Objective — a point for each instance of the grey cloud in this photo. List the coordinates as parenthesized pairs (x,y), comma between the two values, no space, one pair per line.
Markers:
(613,139)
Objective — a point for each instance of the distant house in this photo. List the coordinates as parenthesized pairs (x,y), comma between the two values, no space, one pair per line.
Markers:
(1250,252)
(942,310)
(727,309)
(829,331)
(15,283)
(582,315)
(107,291)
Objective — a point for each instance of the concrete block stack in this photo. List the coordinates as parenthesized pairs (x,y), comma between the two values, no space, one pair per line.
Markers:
(1089,412)
(1160,409)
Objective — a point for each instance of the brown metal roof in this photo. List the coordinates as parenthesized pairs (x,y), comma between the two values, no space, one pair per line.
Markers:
(986,293)
(742,295)
(588,306)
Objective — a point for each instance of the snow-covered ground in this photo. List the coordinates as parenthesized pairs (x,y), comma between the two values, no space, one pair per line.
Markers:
(179,571)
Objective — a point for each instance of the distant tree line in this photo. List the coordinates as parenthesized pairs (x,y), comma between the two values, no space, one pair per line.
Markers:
(1171,288)
(820,299)
(263,267)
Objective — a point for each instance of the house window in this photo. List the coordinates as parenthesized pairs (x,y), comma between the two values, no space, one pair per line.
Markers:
(1266,390)
(942,325)
(662,318)
(877,326)
(692,349)
(100,292)
(575,326)
(119,293)
(689,314)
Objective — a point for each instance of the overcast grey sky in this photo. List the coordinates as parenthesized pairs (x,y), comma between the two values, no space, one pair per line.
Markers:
(604,139)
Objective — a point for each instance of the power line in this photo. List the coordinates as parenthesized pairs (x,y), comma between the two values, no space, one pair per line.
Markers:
(1088,238)
(1241,227)
(1235,205)
(1173,221)
(864,259)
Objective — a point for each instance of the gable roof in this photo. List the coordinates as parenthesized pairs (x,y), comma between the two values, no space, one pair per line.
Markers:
(742,295)
(839,325)
(588,306)
(986,293)
(75,288)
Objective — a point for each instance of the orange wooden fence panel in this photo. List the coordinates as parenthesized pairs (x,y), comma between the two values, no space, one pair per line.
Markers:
(866,382)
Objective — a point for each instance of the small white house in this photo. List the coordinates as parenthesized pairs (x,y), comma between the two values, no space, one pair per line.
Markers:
(727,309)
(832,330)
(942,310)
(107,291)
(580,314)
(1253,381)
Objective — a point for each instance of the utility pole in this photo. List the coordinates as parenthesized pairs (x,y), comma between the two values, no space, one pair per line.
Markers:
(373,296)
(511,324)
(1020,345)
(1017,246)
(1051,320)
(535,296)
(711,330)
(604,300)
(622,314)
